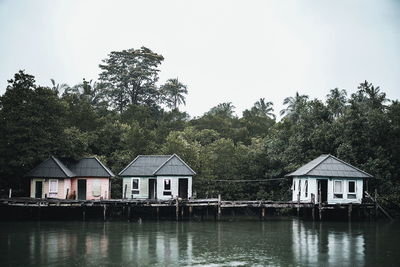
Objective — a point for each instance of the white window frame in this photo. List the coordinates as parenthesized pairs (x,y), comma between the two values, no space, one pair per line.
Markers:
(96,182)
(170,186)
(355,187)
(138,183)
(56,183)
(338,192)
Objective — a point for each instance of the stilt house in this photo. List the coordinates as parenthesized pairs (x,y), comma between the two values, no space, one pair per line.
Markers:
(86,178)
(157,177)
(330,180)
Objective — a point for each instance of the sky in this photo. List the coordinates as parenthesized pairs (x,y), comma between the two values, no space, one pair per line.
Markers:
(224,51)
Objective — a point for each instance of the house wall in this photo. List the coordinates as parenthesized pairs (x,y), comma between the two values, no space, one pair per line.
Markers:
(61,191)
(104,184)
(144,186)
(313,189)
(174,186)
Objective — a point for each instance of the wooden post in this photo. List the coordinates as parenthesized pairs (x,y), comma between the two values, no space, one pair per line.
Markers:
(158,213)
(177,209)
(350,208)
(313,213)
(126,188)
(104,212)
(263,213)
(129,213)
(9,193)
(219,207)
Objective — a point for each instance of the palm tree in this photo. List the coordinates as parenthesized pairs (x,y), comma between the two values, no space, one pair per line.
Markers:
(336,101)
(58,88)
(224,109)
(294,105)
(265,108)
(373,94)
(89,91)
(173,91)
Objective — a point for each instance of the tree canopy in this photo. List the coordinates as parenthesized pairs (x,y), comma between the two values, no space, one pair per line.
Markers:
(123,115)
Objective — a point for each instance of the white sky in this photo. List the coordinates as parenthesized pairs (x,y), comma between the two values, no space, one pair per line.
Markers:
(225,51)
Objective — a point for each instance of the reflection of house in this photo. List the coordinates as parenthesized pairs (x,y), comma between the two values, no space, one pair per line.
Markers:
(330,180)
(86,178)
(157,177)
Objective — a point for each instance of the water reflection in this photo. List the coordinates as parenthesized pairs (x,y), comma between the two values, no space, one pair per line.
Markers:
(314,243)
(275,242)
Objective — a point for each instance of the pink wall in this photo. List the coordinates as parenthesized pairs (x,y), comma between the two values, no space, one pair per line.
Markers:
(104,183)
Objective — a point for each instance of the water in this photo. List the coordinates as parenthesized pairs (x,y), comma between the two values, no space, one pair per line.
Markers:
(283,242)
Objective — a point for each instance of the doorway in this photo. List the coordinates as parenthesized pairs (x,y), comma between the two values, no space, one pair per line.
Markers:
(152,188)
(38,189)
(183,188)
(322,191)
(82,189)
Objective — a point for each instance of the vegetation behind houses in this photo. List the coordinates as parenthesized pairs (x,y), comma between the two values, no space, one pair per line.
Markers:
(127,112)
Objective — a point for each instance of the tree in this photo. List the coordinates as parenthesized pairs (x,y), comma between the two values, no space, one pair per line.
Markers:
(89,92)
(173,92)
(130,77)
(294,106)
(58,88)
(31,127)
(336,101)
(265,108)
(224,110)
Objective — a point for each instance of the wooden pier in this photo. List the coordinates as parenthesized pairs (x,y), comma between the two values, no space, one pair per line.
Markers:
(186,209)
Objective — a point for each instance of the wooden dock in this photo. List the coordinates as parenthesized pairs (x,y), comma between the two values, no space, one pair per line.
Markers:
(188,208)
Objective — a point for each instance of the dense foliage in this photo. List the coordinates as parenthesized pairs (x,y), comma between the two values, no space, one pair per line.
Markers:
(127,113)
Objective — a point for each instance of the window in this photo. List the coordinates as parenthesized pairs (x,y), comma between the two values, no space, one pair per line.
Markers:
(135,186)
(96,188)
(167,187)
(351,190)
(337,189)
(306,188)
(53,187)
(294,185)
(299,187)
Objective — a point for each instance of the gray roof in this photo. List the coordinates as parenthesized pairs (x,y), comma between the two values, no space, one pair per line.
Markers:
(152,165)
(329,166)
(64,168)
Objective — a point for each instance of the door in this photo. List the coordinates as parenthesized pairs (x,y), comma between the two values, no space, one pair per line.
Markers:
(183,188)
(38,189)
(82,189)
(152,188)
(322,191)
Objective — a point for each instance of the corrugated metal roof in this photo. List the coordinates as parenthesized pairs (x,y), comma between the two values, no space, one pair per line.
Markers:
(64,168)
(148,165)
(174,166)
(329,166)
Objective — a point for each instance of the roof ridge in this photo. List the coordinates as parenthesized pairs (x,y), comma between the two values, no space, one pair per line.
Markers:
(104,167)
(62,165)
(181,160)
(163,164)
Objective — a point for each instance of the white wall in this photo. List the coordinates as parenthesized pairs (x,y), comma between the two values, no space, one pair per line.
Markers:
(144,186)
(313,189)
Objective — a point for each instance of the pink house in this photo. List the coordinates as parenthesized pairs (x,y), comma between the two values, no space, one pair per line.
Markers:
(87,178)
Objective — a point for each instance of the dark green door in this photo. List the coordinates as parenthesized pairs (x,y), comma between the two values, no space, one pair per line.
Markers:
(82,189)
(38,189)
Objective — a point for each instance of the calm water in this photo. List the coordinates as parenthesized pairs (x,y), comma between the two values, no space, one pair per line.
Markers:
(287,242)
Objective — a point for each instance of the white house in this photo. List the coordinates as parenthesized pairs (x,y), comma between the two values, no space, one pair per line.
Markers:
(329,180)
(157,177)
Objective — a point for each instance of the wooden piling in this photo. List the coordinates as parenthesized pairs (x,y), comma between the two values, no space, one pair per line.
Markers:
(313,213)
(83,213)
(262,213)
(298,204)
(129,213)
(10,193)
(190,212)
(158,213)
(104,212)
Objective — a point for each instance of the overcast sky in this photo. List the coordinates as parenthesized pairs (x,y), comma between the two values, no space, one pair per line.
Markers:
(225,51)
